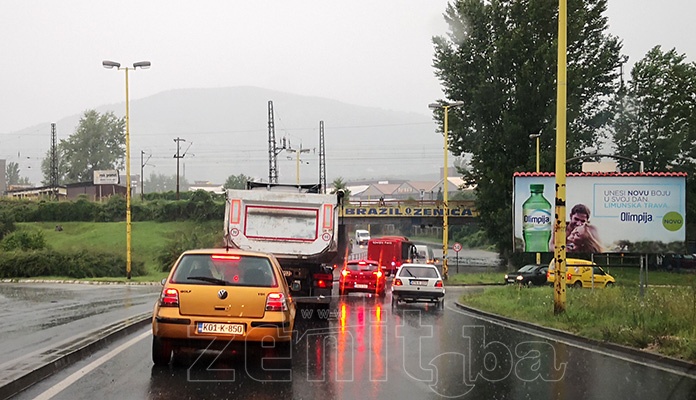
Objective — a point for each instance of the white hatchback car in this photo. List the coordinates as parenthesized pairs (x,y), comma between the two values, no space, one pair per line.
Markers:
(418,283)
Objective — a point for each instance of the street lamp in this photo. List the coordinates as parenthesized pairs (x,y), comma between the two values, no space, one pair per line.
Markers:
(143,65)
(445,207)
(537,136)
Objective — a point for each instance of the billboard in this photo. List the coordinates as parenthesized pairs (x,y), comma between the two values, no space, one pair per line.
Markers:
(106,177)
(604,213)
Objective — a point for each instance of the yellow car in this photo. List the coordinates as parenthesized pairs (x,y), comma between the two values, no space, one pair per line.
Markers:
(216,297)
(581,274)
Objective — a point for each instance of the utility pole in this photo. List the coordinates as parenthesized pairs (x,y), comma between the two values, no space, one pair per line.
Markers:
(273,150)
(142,178)
(54,163)
(322,158)
(178,156)
(297,165)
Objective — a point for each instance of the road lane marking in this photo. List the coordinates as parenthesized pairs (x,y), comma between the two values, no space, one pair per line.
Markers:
(62,385)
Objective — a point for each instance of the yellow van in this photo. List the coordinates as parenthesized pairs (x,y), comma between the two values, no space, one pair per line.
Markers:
(582,274)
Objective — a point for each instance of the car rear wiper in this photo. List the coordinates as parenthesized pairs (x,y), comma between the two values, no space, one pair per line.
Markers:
(409,272)
(217,281)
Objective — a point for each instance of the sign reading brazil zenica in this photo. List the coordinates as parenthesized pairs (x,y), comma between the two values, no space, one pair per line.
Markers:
(405,210)
(612,213)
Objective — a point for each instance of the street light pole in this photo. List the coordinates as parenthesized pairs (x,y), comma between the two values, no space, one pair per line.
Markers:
(445,187)
(537,136)
(142,65)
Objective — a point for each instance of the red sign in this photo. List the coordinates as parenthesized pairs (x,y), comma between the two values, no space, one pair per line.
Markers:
(457,247)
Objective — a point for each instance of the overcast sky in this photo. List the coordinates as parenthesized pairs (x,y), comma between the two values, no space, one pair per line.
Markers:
(364,52)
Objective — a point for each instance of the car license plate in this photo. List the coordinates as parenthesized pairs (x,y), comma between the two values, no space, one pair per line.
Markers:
(419,283)
(360,286)
(225,329)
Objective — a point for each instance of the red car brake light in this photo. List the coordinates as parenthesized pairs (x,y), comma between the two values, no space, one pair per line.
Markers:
(438,284)
(276,302)
(225,257)
(397,282)
(169,298)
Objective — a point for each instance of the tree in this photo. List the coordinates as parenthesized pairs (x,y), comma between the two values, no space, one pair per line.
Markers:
(656,120)
(340,184)
(97,144)
(12,175)
(237,182)
(162,183)
(500,59)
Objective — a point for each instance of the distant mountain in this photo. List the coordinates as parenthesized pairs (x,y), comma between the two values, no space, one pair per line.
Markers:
(226,131)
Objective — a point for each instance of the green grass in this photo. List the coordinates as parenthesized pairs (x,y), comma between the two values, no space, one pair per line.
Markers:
(148,238)
(475,278)
(663,320)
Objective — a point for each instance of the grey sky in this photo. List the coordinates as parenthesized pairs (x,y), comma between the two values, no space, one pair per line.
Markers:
(364,52)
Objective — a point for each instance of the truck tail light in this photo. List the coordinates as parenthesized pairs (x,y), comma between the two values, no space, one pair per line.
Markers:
(323,280)
(276,302)
(169,298)
(378,274)
(345,272)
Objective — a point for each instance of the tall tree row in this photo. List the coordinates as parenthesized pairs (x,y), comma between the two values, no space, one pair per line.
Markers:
(500,59)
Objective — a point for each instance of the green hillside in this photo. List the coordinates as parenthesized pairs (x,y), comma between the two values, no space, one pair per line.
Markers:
(148,239)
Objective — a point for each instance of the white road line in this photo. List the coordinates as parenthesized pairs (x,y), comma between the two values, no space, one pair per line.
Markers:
(48,394)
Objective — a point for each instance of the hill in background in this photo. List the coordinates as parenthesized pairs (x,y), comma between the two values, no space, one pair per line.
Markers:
(225,132)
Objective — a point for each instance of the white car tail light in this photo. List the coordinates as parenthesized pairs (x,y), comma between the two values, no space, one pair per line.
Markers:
(276,302)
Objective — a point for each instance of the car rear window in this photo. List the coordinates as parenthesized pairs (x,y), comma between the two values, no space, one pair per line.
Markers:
(362,267)
(225,269)
(419,272)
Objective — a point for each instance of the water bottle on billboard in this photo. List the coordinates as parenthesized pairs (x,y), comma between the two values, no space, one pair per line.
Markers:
(536,220)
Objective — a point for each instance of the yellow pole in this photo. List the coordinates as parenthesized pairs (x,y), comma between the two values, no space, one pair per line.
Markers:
(559,298)
(128,186)
(445,207)
(538,255)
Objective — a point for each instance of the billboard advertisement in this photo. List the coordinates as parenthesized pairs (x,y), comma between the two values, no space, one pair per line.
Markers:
(107,177)
(604,213)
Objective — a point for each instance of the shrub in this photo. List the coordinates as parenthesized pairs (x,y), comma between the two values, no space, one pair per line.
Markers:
(23,240)
(26,264)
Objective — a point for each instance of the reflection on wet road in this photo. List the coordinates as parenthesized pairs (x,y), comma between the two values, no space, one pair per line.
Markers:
(368,350)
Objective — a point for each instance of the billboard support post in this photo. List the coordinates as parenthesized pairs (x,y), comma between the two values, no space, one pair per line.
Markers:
(559,292)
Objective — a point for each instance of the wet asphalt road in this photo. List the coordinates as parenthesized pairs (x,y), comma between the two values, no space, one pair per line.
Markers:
(368,350)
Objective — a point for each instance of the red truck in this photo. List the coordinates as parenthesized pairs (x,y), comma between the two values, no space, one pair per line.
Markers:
(391,252)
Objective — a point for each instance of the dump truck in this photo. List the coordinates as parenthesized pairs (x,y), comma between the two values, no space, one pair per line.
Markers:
(297,225)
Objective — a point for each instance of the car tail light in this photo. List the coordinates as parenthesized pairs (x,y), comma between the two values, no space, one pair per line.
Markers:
(397,282)
(169,298)
(438,284)
(276,302)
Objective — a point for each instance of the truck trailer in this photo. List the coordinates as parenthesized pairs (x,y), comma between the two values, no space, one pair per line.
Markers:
(299,227)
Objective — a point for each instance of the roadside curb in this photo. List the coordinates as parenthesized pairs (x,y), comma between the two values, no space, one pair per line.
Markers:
(31,369)
(685,367)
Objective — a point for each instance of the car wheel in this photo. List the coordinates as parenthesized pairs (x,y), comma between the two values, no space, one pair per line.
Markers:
(441,304)
(577,284)
(161,351)
(530,283)
(609,284)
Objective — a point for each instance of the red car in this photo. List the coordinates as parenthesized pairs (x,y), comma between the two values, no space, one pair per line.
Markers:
(364,276)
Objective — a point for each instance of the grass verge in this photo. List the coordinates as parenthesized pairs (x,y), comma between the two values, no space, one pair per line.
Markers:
(663,320)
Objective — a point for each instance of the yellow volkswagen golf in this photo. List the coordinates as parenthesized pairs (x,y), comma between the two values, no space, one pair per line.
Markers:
(216,297)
